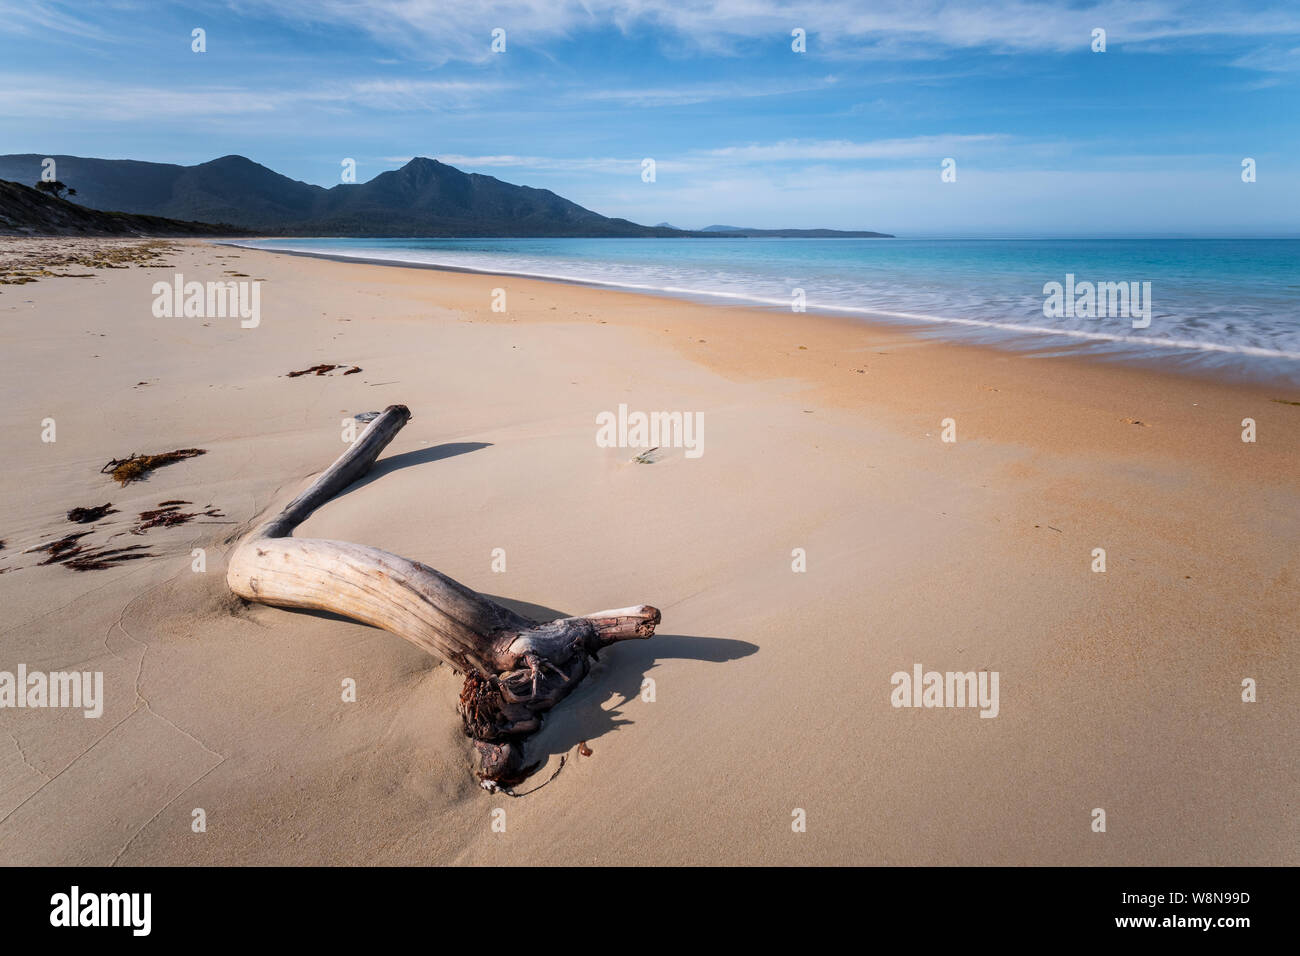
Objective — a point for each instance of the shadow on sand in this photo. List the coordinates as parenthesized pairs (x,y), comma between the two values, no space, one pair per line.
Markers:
(618,674)
(409,459)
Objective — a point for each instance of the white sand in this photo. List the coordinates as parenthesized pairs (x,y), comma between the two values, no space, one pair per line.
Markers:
(772,688)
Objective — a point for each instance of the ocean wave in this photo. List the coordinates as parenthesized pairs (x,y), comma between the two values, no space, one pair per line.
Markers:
(753,281)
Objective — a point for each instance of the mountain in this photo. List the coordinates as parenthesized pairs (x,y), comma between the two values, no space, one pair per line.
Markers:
(423,198)
(26,212)
(429,198)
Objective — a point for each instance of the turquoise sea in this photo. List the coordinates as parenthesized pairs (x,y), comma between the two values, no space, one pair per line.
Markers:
(1228,304)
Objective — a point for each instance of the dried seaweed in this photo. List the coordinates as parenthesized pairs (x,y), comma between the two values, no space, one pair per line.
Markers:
(18,267)
(61,549)
(168,514)
(323,369)
(87,515)
(100,559)
(136,467)
(69,552)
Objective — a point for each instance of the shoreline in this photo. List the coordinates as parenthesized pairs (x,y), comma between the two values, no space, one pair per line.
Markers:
(771,685)
(1174,356)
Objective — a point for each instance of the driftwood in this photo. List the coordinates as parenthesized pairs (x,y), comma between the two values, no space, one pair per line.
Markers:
(515,669)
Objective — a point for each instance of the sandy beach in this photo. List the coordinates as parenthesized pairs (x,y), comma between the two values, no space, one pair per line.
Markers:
(769,688)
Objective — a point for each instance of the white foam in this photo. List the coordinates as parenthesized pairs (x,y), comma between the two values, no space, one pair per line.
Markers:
(1146,341)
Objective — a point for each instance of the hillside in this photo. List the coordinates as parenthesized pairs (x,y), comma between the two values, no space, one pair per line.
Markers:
(26,212)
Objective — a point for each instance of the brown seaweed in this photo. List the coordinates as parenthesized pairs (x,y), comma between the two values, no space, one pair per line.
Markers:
(61,549)
(323,369)
(317,369)
(69,552)
(137,467)
(168,514)
(87,515)
(101,559)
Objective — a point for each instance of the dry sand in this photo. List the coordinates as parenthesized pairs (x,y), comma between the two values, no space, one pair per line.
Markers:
(772,688)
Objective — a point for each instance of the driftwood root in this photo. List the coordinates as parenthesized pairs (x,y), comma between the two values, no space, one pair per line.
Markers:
(516,669)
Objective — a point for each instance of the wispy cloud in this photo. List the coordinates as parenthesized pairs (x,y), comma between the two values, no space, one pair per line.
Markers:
(722,157)
(604,164)
(688,94)
(1271,59)
(440,31)
(53,98)
(740,127)
(794,149)
(28,17)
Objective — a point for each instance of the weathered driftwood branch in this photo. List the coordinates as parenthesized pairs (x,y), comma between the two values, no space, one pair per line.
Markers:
(515,669)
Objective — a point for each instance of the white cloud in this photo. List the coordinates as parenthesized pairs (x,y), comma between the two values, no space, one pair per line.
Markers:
(24,96)
(715,161)
(604,164)
(440,31)
(691,93)
(915,146)
(36,17)
(1271,60)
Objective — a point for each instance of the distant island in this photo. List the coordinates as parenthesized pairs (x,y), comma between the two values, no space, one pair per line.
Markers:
(748,232)
(424,198)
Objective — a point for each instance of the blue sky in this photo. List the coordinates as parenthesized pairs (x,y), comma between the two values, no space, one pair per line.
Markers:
(1049,137)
